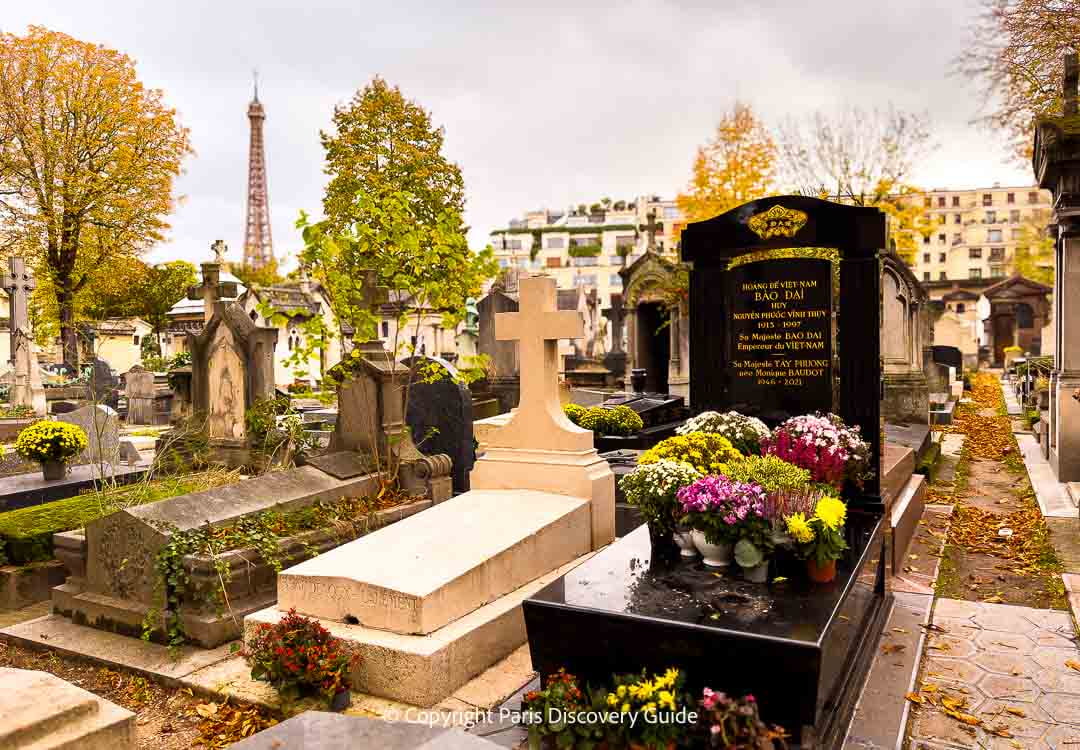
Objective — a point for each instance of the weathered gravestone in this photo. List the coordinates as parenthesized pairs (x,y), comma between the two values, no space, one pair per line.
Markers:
(440,416)
(232,368)
(102,427)
(905,333)
(139,390)
(503,379)
(117,583)
(764,341)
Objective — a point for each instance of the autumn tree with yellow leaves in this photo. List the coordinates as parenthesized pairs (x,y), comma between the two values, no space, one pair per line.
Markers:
(88,156)
(736,165)
(1015,56)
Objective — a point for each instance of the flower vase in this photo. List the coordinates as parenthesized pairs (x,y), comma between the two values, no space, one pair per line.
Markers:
(758,573)
(685,541)
(53,470)
(821,573)
(713,555)
(662,543)
(341,701)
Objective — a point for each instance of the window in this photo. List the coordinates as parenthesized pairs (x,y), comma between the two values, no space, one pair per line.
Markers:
(960,307)
(974,252)
(585,280)
(135,339)
(941,257)
(927,201)
(1014,216)
(941,201)
(554,263)
(926,239)
(997,272)
(589,261)
(941,219)
(926,276)
(942,276)
(1016,233)
(988,199)
(1033,197)
(386,329)
(957,238)
(997,254)
(991,217)
(926,257)
(624,240)
(671,212)
(615,280)
(503,263)
(514,245)
(993,235)
(956,219)
(974,273)
(941,238)
(956,201)
(1010,198)
(556,243)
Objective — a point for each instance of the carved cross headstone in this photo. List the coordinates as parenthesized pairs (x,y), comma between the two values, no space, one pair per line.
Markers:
(26,388)
(212,289)
(617,315)
(539,422)
(650,228)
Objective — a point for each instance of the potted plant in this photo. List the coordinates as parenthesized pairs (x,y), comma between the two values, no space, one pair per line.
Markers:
(299,657)
(657,699)
(819,539)
(546,715)
(705,451)
(728,723)
(718,510)
(51,444)
(823,445)
(652,489)
(745,433)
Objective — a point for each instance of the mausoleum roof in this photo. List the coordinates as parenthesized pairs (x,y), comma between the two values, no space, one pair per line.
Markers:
(186,307)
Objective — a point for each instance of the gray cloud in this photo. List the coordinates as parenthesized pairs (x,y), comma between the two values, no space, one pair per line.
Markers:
(544,105)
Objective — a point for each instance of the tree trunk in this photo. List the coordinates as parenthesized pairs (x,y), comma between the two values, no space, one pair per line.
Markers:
(69,338)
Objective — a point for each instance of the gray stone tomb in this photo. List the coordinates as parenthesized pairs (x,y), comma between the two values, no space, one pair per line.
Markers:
(139,390)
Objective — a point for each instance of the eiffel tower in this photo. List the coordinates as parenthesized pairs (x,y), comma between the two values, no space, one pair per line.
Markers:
(258,248)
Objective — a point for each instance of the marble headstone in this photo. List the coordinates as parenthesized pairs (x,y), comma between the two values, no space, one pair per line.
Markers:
(102,427)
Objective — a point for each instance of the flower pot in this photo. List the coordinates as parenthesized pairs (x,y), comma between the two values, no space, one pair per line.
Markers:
(684,540)
(821,573)
(758,573)
(53,470)
(713,555)
(662,543)
(341,701)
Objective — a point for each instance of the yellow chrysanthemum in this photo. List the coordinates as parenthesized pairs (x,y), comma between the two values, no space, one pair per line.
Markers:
(799,528)
(666,699)
(831,511)
(621,691)
(625,708)
(650,708)
(611,699)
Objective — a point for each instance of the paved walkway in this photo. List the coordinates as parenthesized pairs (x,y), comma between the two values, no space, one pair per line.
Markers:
(998,676)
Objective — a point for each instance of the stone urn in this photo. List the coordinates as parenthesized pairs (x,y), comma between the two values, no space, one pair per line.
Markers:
(53,470)
(685,541)
(713,555)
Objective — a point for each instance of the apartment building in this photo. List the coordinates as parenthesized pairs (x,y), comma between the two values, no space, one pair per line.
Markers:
(586,246)
(974,233)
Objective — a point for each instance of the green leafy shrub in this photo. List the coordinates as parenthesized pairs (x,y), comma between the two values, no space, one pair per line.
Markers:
(50,441)
(772,473)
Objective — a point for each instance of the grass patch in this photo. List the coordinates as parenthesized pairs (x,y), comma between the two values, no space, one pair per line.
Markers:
(26,534)
(948,584)
(144,432)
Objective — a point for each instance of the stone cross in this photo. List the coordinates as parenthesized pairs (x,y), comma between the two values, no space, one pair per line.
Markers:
(617,315)
(26,388)
(211,289)
(19,282)
(219,248)
(651,228)
(539,422)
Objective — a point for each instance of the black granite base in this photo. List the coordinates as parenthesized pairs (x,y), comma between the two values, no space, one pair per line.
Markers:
(641,440)
(802,649)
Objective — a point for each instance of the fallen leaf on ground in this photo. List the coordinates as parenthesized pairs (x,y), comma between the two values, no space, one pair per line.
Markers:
(1073,664)
(915,698)
(1015,711)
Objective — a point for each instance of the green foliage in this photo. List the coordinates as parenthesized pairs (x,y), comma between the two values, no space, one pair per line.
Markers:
(747,554)
(583,251)
(149,347)
(17,412)
(267,275)
(382,144)
(275,428)
(50,441)
(772,473)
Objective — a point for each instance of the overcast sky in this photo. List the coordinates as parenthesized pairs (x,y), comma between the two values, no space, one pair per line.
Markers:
(544,104)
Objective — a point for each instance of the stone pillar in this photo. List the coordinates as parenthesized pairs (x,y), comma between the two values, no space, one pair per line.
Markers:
(1056,160)
(632,342)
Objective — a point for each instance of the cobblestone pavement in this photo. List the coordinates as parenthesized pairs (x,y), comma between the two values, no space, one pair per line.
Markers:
(1003,672)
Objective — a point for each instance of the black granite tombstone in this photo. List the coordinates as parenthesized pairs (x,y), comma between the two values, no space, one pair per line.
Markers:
(660,414)
(803,649)
(949,356)
(441,420)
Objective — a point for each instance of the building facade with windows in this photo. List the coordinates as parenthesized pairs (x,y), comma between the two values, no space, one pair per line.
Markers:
(972,235)
(587,246)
